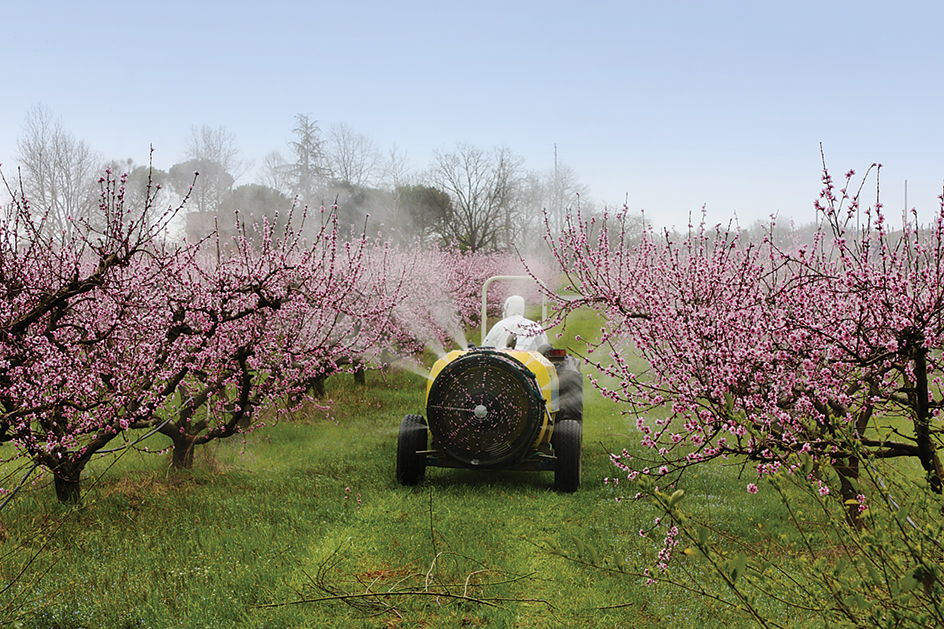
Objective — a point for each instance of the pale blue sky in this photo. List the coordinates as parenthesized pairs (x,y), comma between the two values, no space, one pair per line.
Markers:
(667,105)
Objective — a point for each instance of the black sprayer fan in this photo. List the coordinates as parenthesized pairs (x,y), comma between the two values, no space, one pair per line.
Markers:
(485,409)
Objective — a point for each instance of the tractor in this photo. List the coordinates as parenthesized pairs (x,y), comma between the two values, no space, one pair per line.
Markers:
(498,409)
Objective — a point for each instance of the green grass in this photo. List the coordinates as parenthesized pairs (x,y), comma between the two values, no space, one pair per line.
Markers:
(310,509)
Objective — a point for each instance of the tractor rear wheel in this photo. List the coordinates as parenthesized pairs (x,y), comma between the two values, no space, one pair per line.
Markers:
(567,441)
(411,467)
(571,390)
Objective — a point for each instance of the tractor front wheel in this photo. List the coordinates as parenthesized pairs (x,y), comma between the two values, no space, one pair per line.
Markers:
(567,441)
(411,467)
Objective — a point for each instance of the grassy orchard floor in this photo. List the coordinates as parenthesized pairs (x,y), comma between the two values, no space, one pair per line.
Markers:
(315,500)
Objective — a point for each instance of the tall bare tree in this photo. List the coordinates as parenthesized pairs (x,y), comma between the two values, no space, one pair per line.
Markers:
(58,172)
(557,192)
(395,169)
(212,152)
(563,192)
(353,158)
(216,144)
(274,173)
(483,186)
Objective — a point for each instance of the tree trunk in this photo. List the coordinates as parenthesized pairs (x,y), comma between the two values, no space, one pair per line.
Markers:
(183,452)
(317,386)
(848,470)
(927,453)
(68,485)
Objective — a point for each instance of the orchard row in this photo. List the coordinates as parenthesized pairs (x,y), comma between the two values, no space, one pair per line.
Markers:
(762,350)
(110,330)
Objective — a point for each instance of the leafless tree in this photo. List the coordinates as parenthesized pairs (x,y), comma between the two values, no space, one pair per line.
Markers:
(353,158)
(213,153)
(395,169)
(58,172)
(533,199)
(483,187)
(216,145)
(557,192)
(275,173)
(563,192)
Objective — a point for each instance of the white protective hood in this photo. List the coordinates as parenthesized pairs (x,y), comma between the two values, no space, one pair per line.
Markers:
(514,305)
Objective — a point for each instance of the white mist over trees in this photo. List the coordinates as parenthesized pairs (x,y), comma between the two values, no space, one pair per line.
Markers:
(478,199)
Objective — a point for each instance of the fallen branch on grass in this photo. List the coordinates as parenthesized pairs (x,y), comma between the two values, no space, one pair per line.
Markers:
(376,602)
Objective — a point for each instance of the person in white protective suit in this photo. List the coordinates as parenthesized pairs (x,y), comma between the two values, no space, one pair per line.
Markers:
(514,331)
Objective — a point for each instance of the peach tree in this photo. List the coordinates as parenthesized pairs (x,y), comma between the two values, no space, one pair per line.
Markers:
(111,328)
(813,361)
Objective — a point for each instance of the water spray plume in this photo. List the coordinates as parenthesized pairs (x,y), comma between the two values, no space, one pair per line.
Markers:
(411,364)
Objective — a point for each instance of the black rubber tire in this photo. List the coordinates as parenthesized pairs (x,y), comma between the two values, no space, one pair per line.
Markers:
(567,441)
(571,390)
(411,467)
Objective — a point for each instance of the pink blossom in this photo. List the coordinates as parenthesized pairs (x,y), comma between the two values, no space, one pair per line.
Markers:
(756,346)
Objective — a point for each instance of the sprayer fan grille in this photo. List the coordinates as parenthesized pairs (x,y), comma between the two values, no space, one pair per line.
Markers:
(485,409)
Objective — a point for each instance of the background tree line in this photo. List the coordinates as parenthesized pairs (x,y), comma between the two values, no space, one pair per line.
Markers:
(478,199)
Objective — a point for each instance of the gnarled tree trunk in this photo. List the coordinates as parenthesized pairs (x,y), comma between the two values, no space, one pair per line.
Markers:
(67,479)
(183,452)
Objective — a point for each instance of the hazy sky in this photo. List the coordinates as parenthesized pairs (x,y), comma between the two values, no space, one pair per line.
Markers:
(668,106)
